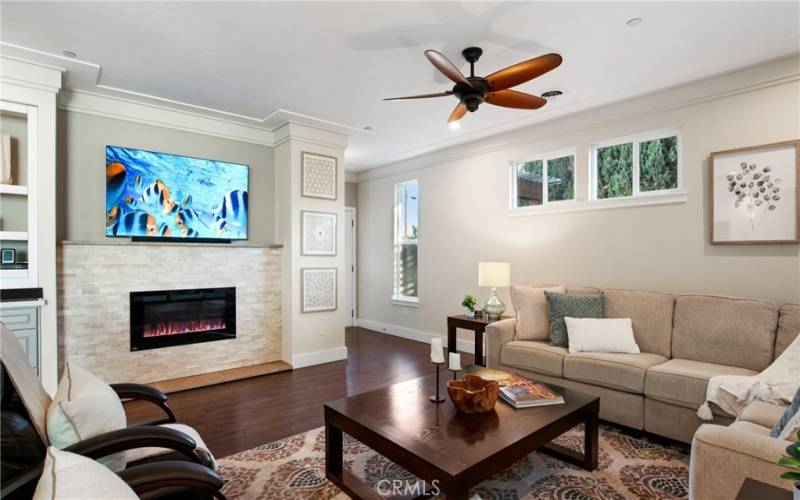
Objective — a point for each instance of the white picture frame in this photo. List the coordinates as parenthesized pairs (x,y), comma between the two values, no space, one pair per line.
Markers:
(319,176)
(318,233)
(755,195)
(318,289)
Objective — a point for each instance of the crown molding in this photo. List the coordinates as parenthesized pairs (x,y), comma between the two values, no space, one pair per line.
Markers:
(30,74)
(783,71)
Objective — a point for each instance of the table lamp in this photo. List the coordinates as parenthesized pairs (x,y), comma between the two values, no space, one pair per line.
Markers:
(494,274)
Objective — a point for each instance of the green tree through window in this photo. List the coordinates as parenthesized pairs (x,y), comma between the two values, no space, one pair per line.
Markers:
(561,178)
(658,164)
(615,171)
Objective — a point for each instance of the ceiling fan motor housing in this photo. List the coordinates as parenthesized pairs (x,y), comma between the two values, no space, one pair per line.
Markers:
(472,97)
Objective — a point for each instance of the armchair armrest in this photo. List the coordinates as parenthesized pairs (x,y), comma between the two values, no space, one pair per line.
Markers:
(22,485)
(139,436)
(146,393)
(497,334)
(722,457)
(146,480)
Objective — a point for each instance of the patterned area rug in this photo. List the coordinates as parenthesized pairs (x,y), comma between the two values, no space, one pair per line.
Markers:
(294,468)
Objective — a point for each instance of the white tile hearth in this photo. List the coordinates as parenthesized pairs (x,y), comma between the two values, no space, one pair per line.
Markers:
(94,282)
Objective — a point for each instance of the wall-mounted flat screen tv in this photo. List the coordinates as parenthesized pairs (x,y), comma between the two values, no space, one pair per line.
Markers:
(161,195)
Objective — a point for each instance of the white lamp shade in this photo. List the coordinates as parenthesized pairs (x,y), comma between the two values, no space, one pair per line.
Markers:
(494,274)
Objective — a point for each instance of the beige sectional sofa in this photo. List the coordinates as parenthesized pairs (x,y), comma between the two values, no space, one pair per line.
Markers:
(685,340)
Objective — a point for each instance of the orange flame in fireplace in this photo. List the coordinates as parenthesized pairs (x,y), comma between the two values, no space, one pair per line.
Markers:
(181,327)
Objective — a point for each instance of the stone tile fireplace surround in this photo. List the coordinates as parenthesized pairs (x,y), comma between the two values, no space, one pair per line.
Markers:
(94,284)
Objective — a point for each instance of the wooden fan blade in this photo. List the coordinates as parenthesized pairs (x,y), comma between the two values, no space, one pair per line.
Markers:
(457,113)
(447,68)
(514,99)
(420,96)
(522,72)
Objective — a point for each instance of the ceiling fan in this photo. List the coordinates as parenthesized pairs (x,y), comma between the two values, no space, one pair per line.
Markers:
(472,90)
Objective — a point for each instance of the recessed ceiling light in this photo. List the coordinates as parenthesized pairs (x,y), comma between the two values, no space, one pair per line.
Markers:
(454,125)
(69,53)
(552,94)
(634,22)
(368,129)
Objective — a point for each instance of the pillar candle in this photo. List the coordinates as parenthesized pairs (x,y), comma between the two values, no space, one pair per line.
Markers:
(455,361)
(436,350)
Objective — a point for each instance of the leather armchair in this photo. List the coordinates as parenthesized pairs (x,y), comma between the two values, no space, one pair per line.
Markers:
(146,393)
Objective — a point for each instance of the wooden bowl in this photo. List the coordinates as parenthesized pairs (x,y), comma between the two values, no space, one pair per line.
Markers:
(473,394)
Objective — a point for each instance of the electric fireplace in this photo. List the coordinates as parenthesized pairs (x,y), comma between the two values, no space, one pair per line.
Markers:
(165,318)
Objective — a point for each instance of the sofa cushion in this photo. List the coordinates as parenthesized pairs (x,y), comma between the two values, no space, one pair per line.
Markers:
(534,355)
(750,427)
(530,305)
(650,313)
(69,476)
(762,413)
(574,305)
(788,327)
(683,382)
(724,331)
(623,372)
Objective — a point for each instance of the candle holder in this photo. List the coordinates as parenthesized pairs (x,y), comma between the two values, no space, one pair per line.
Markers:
(455,374)
(437,398)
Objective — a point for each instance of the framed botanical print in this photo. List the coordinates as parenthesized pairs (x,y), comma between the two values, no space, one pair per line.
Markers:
(319,178)
(318,230)
(755,194)
(318,289)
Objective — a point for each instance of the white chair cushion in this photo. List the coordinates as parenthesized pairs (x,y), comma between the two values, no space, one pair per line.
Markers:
(601,335)
(533,317)
(140,453)
(84,406)
(70,476)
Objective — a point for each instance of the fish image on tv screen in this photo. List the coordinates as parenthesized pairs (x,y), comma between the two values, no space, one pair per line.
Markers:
(151,194)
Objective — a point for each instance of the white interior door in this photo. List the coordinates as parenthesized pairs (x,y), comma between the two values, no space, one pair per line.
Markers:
(350,264)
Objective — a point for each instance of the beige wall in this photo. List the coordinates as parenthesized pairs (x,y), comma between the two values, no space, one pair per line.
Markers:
(464,197)
(351,194)
(82,139)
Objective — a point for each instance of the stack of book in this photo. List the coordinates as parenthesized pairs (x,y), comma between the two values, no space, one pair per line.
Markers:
(523,393)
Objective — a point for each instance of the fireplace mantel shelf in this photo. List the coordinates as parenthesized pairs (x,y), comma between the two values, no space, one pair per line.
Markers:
(125,242)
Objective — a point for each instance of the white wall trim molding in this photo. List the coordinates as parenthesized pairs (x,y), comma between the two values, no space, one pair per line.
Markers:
(319,357)
(781,72)
(571,206)
(412,334)
(157,115)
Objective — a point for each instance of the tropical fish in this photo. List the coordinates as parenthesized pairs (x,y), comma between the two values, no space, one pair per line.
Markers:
(115,181)
(111,216)
(233,208)
(164,230)
(135,224)
(157,194)
(187,201)
(138,183)
(189,233)
(131,201)
(220,225)
(190,218)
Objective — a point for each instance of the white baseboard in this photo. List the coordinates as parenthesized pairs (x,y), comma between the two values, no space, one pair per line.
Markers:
(319,357)
(463,345)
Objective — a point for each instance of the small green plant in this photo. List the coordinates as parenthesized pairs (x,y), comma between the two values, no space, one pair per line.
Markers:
(469,302)
(792,461)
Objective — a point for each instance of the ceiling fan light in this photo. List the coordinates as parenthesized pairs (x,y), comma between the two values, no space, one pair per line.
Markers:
(454,125)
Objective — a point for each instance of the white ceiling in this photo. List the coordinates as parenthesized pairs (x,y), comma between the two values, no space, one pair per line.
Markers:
(336,60)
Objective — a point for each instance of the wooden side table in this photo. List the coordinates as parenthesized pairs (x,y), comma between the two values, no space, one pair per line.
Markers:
(477,325)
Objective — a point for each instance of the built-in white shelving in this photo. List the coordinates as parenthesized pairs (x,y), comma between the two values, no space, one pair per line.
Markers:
(12,189)
(13,236)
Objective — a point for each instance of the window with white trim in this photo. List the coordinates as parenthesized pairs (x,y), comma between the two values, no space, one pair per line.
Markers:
(529,187)
(406,225)
(641,165)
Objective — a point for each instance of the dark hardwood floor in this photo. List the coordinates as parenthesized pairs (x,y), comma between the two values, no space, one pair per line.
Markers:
(239,415)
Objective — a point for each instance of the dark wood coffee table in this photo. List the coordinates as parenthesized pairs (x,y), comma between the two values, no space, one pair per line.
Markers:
(437,443)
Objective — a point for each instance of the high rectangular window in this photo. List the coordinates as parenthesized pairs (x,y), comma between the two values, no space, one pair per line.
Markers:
(636,166)
(406,226)
(542,180)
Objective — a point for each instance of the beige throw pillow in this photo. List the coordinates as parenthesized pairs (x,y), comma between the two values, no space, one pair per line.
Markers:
(84,406)
(70,476)
(533,318)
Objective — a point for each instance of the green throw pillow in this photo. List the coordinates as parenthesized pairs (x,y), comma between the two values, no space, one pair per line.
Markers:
(787,415)
(570,305)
